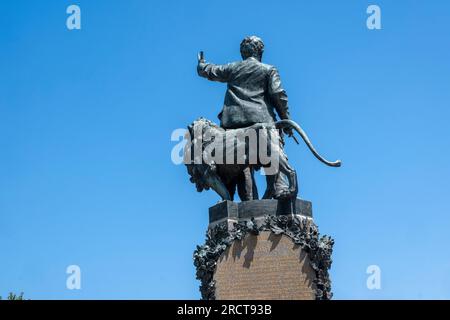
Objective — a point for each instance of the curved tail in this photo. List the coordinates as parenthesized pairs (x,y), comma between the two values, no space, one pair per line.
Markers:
(292,124)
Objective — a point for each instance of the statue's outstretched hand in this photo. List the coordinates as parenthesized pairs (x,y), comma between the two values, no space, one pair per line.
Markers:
(200,57)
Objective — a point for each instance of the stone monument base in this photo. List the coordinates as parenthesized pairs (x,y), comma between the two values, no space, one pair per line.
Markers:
(263,249)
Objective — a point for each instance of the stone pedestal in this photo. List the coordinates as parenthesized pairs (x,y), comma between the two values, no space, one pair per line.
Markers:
(263,249)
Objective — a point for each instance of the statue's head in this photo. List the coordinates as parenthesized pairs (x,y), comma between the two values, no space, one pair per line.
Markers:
(252,47)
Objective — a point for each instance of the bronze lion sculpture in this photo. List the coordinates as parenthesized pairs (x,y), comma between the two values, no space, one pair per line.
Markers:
(225,159)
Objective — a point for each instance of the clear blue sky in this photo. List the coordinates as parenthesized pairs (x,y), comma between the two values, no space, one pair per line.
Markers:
(86,116)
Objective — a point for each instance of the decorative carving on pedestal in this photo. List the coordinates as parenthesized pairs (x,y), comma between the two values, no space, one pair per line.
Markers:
(299,228)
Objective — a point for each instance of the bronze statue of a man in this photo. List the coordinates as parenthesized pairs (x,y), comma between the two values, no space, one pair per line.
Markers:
(254,95)
(253,100)
(254,90)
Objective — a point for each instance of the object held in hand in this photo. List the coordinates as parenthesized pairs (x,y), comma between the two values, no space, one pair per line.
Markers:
(201,57)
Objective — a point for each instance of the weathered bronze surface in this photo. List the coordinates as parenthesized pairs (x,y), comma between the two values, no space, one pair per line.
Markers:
(253,100)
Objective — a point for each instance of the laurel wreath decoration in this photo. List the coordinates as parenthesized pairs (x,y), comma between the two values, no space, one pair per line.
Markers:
(302,232)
